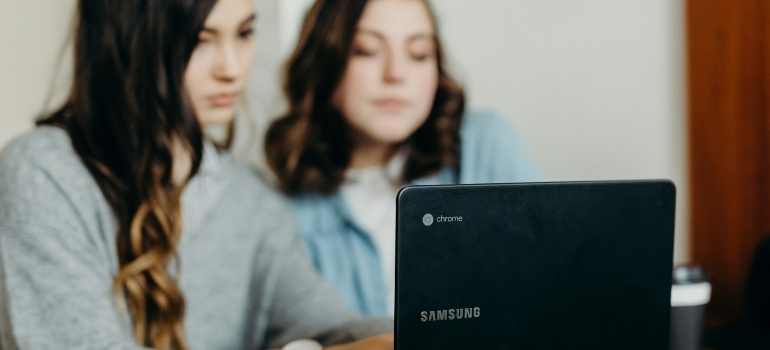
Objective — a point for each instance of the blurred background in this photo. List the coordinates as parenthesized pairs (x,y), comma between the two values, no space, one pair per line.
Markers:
(598,89)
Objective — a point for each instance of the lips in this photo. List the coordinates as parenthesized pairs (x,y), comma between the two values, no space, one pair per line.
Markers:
(391,104)
(224,100)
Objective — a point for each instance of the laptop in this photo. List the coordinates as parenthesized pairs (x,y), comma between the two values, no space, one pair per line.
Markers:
(575,265)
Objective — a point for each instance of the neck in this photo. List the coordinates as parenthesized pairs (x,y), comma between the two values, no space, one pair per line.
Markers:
(367,155)
(181,163)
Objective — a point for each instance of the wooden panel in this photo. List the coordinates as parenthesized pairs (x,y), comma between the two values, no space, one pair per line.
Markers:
(729,149)
(765,118)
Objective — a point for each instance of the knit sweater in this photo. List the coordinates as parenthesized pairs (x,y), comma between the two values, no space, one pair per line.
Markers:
(246,279)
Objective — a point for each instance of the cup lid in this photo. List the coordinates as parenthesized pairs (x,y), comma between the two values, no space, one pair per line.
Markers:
(688,274)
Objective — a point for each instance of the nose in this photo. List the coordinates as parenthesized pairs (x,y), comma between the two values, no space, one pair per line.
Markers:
(228,66)
(395,68)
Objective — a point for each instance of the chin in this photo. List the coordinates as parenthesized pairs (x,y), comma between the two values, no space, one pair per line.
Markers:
(393,134)
(217,116)
(393,137)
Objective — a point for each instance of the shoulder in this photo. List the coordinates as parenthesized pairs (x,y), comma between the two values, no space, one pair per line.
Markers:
(247,182)
(40,171)
(44,152)
(44,146)
(477,125)
(262,215)
(265,207)
(493,151)
(486,132)
(318,215)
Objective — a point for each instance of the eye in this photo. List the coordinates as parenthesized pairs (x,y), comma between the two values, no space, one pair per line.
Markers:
(203,42)
(421,50)
(420,56)
(365,46)
(359,51)
(246,34)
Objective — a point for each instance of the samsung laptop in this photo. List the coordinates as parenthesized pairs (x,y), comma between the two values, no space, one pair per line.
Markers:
(534,266)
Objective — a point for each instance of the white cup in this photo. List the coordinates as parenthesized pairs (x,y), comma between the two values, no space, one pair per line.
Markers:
(690,293)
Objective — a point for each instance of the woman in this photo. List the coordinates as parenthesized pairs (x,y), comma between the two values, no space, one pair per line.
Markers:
(372,108)
(122,227)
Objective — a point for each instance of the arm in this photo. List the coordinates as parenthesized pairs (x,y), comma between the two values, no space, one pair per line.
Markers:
(384,341)
(56,280)
(306,307)
(380,342)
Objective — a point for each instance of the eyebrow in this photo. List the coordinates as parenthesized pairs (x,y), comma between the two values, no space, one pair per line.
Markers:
(251,18)
(411,38)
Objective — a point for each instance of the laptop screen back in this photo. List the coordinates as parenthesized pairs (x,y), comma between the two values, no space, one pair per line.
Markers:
(535,266)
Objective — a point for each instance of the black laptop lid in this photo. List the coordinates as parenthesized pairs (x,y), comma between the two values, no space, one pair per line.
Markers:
(535,266)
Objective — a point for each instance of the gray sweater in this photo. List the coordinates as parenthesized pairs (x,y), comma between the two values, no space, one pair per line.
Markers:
(246,279)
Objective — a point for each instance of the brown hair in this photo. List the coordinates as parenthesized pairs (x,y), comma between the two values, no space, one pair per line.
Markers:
(127,114)
(309,147)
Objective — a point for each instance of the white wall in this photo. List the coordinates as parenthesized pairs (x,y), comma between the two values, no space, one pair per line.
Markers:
(596,87)
(33,33)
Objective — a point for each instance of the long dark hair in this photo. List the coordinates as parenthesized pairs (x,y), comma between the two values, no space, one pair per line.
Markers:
(127,115)
(309,147)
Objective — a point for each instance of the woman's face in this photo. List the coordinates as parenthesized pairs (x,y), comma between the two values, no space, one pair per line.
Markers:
(220,65)
(391,79)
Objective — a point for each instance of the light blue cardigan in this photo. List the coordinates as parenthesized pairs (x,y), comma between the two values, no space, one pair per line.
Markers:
(345,254)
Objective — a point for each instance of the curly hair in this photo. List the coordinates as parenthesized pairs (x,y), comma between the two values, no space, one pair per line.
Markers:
(309,148)
(127,115)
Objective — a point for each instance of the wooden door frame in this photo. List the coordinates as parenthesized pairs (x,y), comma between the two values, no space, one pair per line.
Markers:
(728,57)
